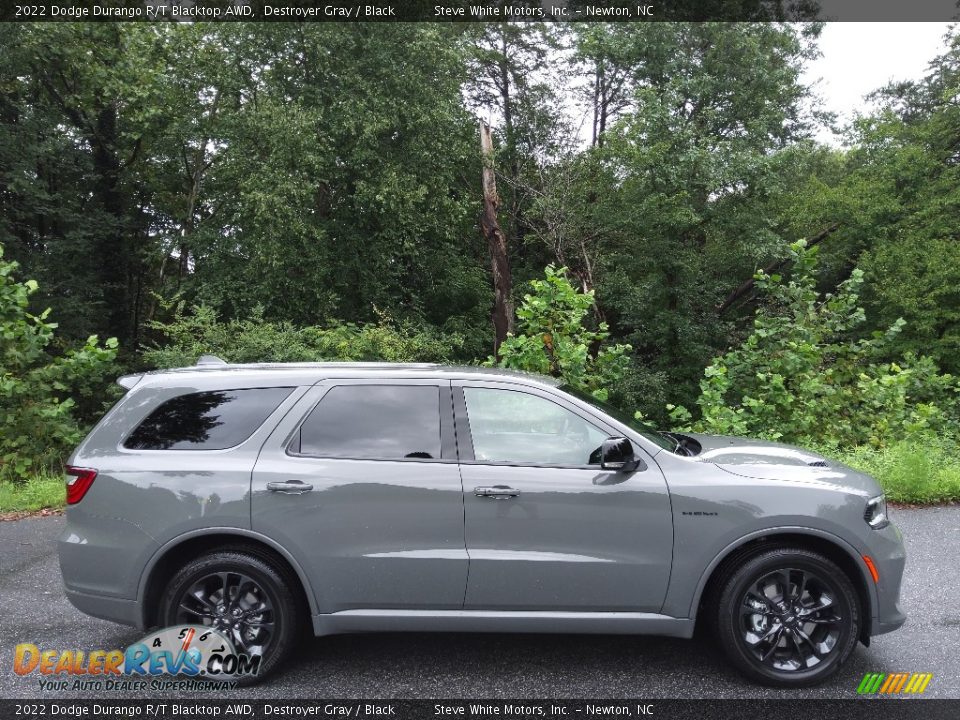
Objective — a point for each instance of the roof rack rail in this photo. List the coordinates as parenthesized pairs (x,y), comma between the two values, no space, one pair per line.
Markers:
(205,360)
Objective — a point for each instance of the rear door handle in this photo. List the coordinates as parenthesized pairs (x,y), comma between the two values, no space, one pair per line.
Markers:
(290,487)
(497,492)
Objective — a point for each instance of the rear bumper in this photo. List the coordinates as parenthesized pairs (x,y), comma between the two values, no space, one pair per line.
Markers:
(100,563)
(118,610)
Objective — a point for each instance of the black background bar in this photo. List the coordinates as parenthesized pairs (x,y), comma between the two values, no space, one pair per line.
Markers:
(872,708)
(477,11)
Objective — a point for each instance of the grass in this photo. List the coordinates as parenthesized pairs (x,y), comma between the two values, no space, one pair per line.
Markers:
(39,492)
(921,471)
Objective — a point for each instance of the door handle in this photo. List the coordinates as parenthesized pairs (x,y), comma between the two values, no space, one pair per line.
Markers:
(290,487)
(497,492)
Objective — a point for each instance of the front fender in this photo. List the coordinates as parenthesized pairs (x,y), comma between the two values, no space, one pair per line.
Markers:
(675,606)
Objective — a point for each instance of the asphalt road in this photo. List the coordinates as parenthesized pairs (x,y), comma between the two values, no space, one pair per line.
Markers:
(33,609)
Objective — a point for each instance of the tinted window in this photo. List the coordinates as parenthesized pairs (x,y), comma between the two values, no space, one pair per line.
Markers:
(379,422)
(509,426)
(206,420)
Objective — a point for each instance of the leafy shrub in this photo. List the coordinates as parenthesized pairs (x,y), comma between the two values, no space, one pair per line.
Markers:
(554,338)
(37,420)
(190,335)
(802,377)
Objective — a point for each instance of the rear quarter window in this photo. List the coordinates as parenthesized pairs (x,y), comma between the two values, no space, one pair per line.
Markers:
(213,420)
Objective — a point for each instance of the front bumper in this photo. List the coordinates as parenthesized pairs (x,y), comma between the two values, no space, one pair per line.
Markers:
(890,557)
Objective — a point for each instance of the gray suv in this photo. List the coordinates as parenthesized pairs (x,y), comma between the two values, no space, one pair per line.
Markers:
(265,499)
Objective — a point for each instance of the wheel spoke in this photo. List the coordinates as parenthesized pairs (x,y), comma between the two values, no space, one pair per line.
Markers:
(773,615)
(225,587)
(823,602)
(266,624)
(784,578)
(833,620)
(233,603)
(801,586)
(807,639)
(774,643)
(798,651)
(203,600)
(193,611)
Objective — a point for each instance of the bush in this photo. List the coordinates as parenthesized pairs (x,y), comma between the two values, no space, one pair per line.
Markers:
(801,376)
(37,419)
(554,338)
(190,335)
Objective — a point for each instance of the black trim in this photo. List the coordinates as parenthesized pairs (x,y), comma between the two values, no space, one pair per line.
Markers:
(448,434)
(513,463)
(462,426)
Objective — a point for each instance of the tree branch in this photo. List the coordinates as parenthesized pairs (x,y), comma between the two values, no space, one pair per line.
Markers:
(746,286)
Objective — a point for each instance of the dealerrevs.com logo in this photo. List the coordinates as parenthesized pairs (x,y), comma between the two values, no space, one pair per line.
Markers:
(200,657)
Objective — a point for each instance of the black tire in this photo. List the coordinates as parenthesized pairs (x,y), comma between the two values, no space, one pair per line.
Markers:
(793,640)
(271,585)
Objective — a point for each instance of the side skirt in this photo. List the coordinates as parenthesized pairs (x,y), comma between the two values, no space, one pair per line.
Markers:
(616,623)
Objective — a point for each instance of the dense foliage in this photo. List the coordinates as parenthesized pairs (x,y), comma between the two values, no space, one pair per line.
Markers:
(39,392)
(300,192)
(800,376)
(251,340)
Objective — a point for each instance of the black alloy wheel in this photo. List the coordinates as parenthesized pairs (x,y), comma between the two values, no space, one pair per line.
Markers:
(243,594)
(788,617)
(233,603)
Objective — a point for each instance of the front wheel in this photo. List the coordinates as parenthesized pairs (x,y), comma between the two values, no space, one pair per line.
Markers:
(788,617)
(243,596)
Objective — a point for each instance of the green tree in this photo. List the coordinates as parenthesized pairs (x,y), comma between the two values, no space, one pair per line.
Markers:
(895,196)
(38,424)
(681,195)
(800,376)
(554,339)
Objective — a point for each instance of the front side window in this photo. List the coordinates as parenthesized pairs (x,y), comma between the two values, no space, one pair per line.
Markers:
(510,426)
(206,420)
(374,422)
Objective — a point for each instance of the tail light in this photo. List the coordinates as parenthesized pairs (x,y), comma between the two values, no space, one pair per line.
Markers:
(79,481)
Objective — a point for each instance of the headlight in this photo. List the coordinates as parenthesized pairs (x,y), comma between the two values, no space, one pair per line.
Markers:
(876,512)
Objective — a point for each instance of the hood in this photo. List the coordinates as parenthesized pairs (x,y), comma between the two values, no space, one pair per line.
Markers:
(766,460)
(727,450)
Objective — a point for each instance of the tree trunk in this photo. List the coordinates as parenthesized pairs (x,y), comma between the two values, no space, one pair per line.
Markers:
(497,242)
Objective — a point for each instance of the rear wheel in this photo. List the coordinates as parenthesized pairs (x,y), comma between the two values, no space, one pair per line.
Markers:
(243,596)
(788,617)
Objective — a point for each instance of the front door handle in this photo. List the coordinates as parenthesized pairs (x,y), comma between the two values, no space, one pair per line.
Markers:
(497,492)
(290,487)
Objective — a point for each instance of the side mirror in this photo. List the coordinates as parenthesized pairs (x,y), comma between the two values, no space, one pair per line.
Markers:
(616,453)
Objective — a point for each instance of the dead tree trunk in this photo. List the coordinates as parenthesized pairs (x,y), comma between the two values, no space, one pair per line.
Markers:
(497,242)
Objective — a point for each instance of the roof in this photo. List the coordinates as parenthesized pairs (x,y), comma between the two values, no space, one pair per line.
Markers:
(311,372)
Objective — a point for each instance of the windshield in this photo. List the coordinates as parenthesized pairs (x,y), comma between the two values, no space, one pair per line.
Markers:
(661,439)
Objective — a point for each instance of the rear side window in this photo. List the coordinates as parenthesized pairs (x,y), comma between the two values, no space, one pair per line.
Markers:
(206,420)
(374,422)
